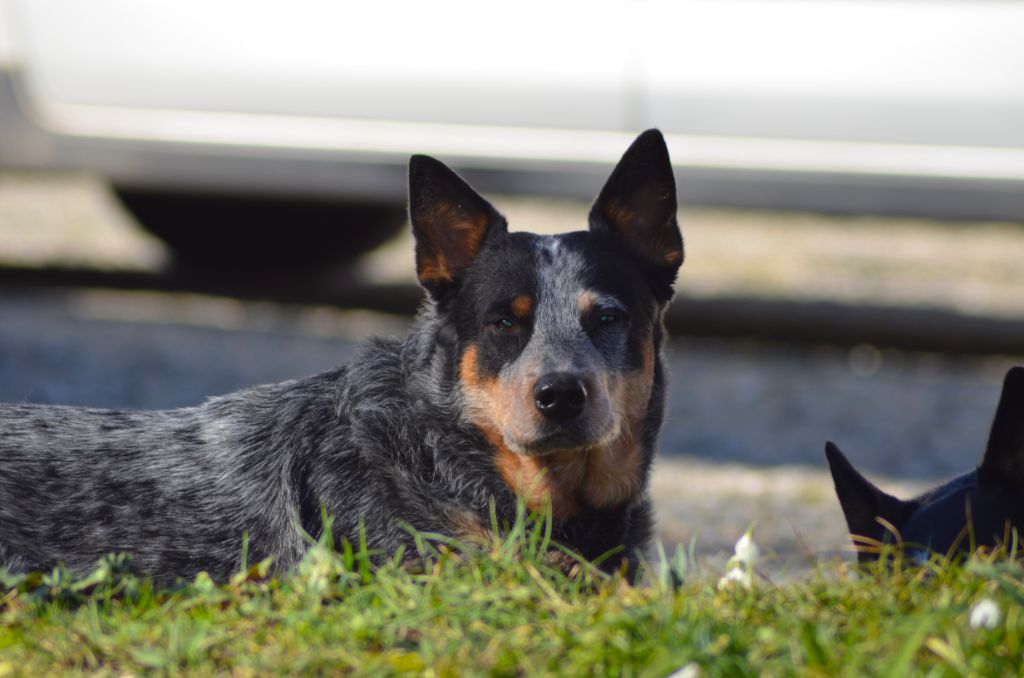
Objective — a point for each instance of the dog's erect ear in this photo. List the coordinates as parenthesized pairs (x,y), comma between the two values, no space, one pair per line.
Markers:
(638,205)
(450,222)
(1004,457)
(861,501)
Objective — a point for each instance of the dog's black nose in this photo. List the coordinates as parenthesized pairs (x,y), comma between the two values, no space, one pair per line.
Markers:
(560,396)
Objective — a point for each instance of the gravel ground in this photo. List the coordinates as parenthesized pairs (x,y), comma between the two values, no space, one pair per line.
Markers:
(746,422)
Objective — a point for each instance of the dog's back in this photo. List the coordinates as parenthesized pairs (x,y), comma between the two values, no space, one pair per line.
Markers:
(177,489)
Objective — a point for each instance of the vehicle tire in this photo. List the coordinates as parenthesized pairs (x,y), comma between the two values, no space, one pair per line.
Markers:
(220,231)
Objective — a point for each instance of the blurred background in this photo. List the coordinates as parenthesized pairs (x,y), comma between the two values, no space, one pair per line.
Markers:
(197,197)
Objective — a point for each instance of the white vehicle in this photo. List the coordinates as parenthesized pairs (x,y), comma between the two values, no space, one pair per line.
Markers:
(192,108)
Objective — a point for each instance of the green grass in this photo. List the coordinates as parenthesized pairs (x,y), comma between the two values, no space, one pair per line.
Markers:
(501,610)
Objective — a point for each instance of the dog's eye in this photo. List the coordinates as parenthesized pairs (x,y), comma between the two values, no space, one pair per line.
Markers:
(601,319)
(505,325)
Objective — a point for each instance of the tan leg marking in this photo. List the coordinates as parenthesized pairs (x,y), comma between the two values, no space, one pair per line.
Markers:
(468,527)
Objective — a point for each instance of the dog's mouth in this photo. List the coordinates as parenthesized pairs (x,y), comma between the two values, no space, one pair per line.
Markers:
(566,438)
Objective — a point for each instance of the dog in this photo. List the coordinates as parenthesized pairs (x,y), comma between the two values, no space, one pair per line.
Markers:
(979,508)
(533,373)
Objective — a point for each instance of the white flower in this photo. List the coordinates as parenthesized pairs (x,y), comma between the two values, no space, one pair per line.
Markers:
(691,670)
(746,550)
(741,564)
(985,614)
(736,574)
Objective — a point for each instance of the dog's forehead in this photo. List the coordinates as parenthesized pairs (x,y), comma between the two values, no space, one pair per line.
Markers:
(553,269)
(556,249)
(562,266)
(574,261)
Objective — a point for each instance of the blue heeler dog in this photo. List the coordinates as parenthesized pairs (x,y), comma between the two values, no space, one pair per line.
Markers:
(534,372)
(979,508)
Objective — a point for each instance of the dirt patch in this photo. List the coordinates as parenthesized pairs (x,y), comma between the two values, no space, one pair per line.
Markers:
(793,510)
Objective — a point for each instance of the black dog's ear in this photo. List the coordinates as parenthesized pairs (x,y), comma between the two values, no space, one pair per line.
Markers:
(638,205)
(1004,457)
(450,222)
(861,501)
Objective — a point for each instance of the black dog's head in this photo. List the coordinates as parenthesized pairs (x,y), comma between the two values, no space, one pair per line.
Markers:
(978,508)
(555,337)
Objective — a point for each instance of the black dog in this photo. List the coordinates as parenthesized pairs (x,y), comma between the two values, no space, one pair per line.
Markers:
(534,372)
(978,508)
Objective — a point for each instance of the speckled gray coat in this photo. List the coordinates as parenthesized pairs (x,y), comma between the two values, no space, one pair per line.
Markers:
(178,489)
(394,439)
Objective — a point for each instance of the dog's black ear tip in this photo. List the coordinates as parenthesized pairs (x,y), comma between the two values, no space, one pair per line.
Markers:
(427,170)
(422,163)
(1004,455)
(650,141)
(1015,378)
(652,134)
(837,461)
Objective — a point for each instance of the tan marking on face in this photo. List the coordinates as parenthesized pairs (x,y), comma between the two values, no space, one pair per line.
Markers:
(601,476)
(467,366)
(613,471)
(538,480)
(489,403)
(505,407)
(587,301)
(535,479)
(522,306)
(598,477)
(531,479)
